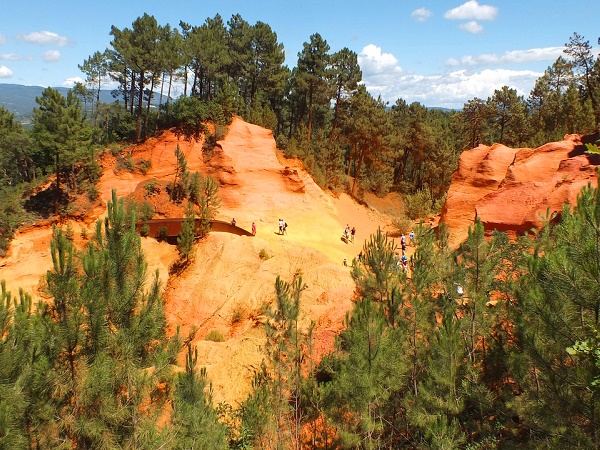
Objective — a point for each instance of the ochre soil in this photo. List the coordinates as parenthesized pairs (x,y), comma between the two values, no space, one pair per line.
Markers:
(228,285)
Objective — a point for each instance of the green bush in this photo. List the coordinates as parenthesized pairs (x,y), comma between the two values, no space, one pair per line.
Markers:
(402,224)
(151,188)
(144,166)
(215,336)
(163,234)
(263,254)
(238,314)
(92,193)
(143,210)
(128,163)
(418,205)
(145,229)
(115,149)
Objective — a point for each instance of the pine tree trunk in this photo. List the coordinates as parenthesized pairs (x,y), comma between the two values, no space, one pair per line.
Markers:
(57,193)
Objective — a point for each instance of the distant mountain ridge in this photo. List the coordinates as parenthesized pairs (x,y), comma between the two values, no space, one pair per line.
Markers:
(20,99)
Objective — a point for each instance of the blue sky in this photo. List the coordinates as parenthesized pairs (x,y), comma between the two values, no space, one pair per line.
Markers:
(437,52)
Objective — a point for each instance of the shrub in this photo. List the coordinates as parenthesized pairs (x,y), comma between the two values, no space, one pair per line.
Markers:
(418,205)
(145,211)
(402,224)
(263,254)
(238,314)
(92,193)
(70,232)
(151,188)
(439,204)
(144,165)
(163,234)
(128,163)
(215,336)
(114,149)
(145,229)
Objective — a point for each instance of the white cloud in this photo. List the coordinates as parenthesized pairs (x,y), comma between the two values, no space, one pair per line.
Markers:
(510,57)
(383,76)
(70,82)
(5,72)
(2,39)
(51,56)
(472,27)
(373,62)
(44,38)
(10,57)
(472,10)
(421,14)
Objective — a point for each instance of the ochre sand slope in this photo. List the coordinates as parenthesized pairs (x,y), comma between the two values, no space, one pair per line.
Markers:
(228,283)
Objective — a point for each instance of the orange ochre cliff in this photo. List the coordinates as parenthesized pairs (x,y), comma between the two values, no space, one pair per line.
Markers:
(511,189)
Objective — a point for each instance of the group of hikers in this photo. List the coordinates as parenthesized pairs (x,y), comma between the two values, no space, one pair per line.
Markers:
(349,234)
(401,261)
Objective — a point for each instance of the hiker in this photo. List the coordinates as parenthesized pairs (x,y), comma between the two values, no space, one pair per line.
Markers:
(233,221)
(345,262)
(404,260)
(253,229)
(280,226)
(284,227)
(411,235)
(352,233)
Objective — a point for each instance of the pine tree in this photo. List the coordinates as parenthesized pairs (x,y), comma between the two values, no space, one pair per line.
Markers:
(559,310)
(194,420)
(209,204)
(272,415)
(185,239)
(128,356)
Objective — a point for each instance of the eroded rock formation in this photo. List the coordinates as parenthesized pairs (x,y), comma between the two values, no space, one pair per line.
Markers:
(511,189)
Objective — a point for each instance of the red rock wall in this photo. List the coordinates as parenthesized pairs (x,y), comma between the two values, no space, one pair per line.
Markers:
(511,189)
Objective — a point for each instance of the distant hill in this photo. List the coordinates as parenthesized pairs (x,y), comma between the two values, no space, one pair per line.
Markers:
(20,99)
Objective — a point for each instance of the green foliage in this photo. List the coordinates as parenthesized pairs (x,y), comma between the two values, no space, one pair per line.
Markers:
(187,236)
(12,215)
(177,189)
(144,165)
(209,204)
(215,336)
(188,114)
(272,413)
(61,133)
(92,366)
(163,234)
(194,420)
(92,193)
(402,224)
(144,230)
(151,188)
(592,148)
(263,254)
(559,328)
(418,205)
